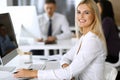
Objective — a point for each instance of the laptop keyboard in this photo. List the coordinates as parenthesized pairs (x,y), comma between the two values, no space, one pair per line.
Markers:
(37,66)
(26,66)
(9,69)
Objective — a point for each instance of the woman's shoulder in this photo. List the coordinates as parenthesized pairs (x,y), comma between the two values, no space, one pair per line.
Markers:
(91,37)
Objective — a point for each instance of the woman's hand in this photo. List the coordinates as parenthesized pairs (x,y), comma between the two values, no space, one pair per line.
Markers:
(25,73)
(51,39)
(65,65)
(39,40)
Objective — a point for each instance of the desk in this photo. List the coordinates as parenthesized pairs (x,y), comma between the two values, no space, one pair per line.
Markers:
(36,59)
(61,45)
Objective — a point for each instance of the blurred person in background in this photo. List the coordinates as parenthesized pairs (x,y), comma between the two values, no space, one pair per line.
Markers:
(110,29)
(59,24)
(53,26)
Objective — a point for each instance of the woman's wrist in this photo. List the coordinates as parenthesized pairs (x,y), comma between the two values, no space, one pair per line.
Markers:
(34,73)
(65,65)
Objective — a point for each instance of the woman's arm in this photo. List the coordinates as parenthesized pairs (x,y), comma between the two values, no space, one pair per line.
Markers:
(68,57)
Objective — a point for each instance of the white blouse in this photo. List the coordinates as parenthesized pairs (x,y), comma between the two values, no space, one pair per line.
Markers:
(84,64)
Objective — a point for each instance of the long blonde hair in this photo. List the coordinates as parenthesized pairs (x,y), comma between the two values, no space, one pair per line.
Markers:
(96,26)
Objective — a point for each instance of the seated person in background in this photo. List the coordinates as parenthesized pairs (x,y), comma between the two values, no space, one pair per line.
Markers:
(110,29)
(53,25)
(86,60)
(6,44)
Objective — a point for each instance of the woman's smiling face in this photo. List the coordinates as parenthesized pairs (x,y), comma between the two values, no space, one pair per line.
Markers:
(85,16)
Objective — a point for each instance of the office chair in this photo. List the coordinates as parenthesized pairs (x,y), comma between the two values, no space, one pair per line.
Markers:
(110,72)
(117,64)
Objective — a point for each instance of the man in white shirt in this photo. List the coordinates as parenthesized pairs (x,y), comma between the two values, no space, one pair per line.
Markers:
(54,22)
(59,23)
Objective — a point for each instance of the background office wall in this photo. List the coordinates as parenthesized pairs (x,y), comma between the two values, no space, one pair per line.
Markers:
(67,7)
(115,4)
(3,3)
(9,2)
(116,7)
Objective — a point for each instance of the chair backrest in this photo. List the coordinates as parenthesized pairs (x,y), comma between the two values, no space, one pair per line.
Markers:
(117,64)
(110,72)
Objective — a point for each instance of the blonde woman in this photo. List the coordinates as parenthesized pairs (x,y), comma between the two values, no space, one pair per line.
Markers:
(85,61)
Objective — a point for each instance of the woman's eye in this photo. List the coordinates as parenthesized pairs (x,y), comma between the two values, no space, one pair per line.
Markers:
(78,12)
(86,12)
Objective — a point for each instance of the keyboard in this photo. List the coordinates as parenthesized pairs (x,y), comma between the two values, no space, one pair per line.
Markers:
(37,66)
(9,69)
(26,66)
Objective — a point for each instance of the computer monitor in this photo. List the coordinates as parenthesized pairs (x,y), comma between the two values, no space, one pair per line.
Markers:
(25,21)
(8,43)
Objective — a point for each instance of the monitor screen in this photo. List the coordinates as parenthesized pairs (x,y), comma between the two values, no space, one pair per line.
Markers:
(8,42)
(25,22)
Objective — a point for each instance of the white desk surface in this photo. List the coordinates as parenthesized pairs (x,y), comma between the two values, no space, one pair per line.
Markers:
(61,45)
(18,61)
(36,59)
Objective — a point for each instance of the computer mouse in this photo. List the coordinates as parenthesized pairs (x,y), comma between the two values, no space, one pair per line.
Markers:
(15,72)
(23,78)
